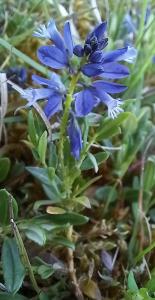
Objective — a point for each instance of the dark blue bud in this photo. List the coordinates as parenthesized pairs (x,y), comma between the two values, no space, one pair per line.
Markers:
(87,49)
(78,50)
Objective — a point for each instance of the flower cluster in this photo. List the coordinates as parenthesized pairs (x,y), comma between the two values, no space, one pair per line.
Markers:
(95,64)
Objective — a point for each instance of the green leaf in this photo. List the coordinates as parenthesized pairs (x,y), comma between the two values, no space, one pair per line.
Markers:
(40,203)
(132,285)
(36,234)
(110,127)
(4,167)
(43,296)
(40,173)
(64,242)
(42,147)
(45,271)
(13,269)
(50,186)
(32,130)
(144,252)
(84,201)
(70,218)
(53,159)
(93,161)
(149,174)
(105,193)
(6,296)
(4,207)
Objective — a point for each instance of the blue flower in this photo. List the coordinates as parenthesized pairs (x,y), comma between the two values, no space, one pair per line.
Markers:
(75,137)
(56,56)
(98,92)
(105,64)
(95,40)
(54,92)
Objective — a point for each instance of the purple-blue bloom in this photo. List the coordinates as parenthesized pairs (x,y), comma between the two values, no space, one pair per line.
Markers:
(96,62)
(105,64)
(54,92)
(75,137)
(56,56)
(95,40)
(98,92)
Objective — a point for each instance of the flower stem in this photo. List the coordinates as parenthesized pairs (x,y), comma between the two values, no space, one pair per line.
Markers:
(64,120)
(72,271)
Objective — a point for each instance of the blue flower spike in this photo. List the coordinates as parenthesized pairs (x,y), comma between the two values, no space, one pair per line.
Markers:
(98,66)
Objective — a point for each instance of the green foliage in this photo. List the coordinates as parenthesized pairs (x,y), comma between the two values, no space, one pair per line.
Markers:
(13,269)
(111,210)
(5,165)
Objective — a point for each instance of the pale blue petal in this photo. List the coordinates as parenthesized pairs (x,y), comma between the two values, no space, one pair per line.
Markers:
(109,87)
(114,71)
(55,35)
(68,38)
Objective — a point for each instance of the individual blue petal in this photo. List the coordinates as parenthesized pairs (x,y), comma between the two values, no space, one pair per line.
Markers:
(55,35)
(115,71)
(75,137)
(54,82)
(85,101)
(98,32)
(113,55)
(78,51)
(91,69)
(113,105)
(52,57)
(128,56)
(109,87)
(53,105)
(32,95)
(68,38)
(41,80)
(96,56)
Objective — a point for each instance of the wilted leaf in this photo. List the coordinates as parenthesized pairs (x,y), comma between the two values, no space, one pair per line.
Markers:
(91,289)
(53,210)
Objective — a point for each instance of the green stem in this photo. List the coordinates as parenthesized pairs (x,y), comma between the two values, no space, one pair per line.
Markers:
(64,121)
(22,249)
